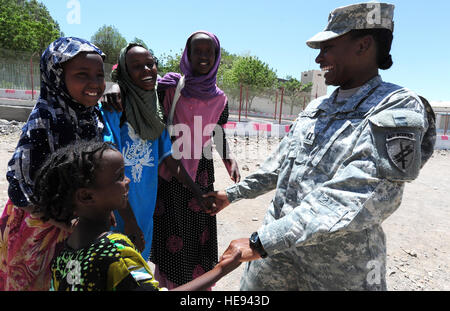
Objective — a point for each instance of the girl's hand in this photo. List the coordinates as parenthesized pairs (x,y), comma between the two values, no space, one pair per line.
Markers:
(220,202)
(233,170)
(229,261)
(206,204)
(111,99)
(113,219)
(136,236)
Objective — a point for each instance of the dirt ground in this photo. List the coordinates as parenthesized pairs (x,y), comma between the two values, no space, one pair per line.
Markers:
(418,239)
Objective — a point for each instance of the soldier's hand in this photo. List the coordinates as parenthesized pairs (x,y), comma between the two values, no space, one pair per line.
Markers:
(243,246)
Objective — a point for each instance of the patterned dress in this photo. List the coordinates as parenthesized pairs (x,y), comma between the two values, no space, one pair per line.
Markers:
(184,237)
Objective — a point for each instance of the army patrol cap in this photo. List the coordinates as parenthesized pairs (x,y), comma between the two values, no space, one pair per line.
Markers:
(356,16)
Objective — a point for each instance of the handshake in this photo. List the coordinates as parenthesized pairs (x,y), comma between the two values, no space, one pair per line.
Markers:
(213,202)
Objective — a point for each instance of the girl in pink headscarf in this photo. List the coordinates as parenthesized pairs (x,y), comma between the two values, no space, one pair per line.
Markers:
(185,237)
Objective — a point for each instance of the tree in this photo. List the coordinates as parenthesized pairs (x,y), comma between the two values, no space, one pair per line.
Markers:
(26,26)
(169,63)
(252,73)
(226,64)
(110,41)
(224,79)
(295,92)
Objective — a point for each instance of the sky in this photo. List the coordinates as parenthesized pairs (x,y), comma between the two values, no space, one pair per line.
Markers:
(273,31)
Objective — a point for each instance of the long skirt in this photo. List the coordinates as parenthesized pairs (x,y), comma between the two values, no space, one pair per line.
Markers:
(184,242)
(27,248)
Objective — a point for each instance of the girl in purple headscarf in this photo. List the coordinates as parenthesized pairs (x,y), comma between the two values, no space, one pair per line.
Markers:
(185,237)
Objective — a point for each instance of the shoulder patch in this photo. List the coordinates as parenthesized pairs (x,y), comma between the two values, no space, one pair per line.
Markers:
(397,146)
(400,148)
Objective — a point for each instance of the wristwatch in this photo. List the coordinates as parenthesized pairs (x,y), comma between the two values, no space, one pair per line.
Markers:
(255,244)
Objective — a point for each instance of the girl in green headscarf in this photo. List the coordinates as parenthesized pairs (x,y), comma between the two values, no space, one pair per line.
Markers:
(139,133)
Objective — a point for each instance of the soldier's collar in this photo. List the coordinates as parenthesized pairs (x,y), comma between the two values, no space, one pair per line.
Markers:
(354,101)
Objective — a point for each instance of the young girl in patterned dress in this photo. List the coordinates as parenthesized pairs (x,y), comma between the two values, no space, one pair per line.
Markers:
(72,81)
(87,180)
(185,237)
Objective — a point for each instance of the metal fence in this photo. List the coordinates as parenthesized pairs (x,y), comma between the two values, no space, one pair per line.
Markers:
(20,70)
(271,103)
(18,75)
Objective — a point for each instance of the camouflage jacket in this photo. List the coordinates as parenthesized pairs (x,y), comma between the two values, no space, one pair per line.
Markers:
(340,171)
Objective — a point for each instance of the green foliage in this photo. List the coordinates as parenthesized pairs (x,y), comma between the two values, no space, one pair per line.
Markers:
(110,41)
(295,92)
(224,75)
(292,86)
(169,63)
(250,72)
(226,64)
(26,26)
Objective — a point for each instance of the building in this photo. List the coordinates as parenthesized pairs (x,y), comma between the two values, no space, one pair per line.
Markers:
(442,111)
(316,77)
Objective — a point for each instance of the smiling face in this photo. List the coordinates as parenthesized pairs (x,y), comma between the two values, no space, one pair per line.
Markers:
(85,78)
(111,190)
(202,54)
(141,67)
(336,59)
(348,62)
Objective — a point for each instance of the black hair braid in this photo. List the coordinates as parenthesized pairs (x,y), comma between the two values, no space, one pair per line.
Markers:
(383,38)
(62,174)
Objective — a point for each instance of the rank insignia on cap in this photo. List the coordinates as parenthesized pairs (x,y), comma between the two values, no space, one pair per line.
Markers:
(401,149)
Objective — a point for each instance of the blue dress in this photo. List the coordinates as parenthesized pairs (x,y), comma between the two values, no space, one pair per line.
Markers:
(142,158)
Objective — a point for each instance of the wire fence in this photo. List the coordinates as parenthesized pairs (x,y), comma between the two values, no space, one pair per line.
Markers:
(20,70)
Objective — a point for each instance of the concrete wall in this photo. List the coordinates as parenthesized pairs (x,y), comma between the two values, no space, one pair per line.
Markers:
(12,109)
(265,106)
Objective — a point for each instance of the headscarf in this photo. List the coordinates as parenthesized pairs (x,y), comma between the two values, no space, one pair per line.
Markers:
(142,107)
(201,87)
(55,121)
(54,91)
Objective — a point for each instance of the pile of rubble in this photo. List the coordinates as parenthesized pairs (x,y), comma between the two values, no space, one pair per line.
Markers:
(10,127)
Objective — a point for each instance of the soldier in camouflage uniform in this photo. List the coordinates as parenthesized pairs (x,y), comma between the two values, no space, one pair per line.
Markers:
(341,170)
